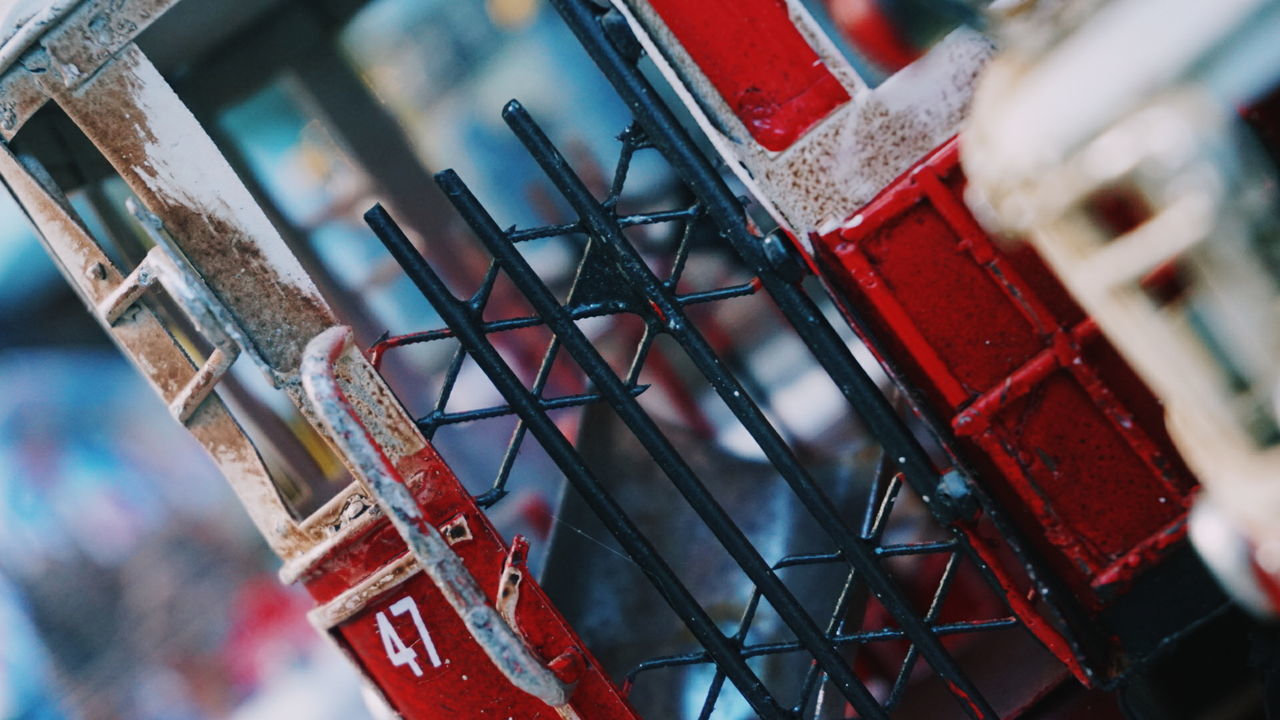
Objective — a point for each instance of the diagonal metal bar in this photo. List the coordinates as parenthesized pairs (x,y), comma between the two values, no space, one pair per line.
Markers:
(540,380)
(604,227)
(666,133)
(456,313)
(644,428)
(930,616)
(556,403)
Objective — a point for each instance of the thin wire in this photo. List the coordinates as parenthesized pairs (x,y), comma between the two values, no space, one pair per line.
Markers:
(557,520)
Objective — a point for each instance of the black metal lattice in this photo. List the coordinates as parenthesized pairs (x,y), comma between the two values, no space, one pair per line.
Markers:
(613,279)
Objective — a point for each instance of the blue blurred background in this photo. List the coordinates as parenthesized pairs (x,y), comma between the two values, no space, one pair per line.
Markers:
(131,583)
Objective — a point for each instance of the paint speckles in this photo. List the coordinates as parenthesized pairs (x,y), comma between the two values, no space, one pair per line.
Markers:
(142,128)
(843,161)
(106,31)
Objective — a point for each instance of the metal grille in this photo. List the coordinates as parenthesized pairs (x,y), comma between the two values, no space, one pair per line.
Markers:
(614,279)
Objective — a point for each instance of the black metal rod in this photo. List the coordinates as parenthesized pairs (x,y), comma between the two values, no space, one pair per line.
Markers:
(537,388)
(437,420)
(582,311)
(570,462)
(930,616)
(725,210)
(665,133)
(604,227)
(671,139)
(850,593)
(607,383)
(858,638)
(868,636)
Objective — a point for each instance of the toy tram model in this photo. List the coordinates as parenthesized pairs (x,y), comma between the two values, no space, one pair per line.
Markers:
(1061,254)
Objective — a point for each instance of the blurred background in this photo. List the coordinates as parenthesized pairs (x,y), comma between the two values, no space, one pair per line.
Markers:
(131,583)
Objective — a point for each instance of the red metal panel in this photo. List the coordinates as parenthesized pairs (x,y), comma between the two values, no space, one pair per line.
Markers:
(759,62)
(465,683)
(1062,433)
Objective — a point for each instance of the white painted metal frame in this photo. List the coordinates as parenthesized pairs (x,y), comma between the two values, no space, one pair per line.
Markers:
(841,163)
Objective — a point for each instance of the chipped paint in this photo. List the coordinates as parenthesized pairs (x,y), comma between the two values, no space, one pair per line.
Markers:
(843,161)
(155,143)
(1059,432)
(160,150)
(513,571)
(94,32)
(499,640)
(456,530)
(248,288)
(344,606)
(24,22)
(142,338)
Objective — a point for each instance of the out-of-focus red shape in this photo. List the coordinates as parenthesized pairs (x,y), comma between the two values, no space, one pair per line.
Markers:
(268,629)
(759,62)
(873,33)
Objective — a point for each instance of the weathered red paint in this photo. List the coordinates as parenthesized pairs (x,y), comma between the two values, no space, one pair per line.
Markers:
(1062,432)
(466,685)
(759,63)
(1019,593)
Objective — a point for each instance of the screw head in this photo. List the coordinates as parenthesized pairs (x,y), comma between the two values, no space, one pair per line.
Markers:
(954,498)
(781,257)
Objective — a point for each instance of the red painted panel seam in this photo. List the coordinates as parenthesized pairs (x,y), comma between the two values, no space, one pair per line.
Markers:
(756,58)
(1124,423)
(907,333)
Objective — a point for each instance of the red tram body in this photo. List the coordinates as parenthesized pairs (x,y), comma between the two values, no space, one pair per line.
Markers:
(1028,399)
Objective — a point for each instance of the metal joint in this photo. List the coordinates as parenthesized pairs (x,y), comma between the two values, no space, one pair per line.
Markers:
(781,256)
(619,32)
(165,264)
(953,499)
(500,641)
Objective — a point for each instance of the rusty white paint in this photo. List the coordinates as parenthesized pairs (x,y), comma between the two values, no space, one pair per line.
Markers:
(93,32)
(184,166)
(160,137)
(160,150)
(141,126)
(164,265)
(327,523)
(846,159)
(352,600)
(22,22)
(20,97)
(197,389)
(69,38)
(185,285)
(456,530)
(500,641)
(142,338)
(337,530)
(509,583)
